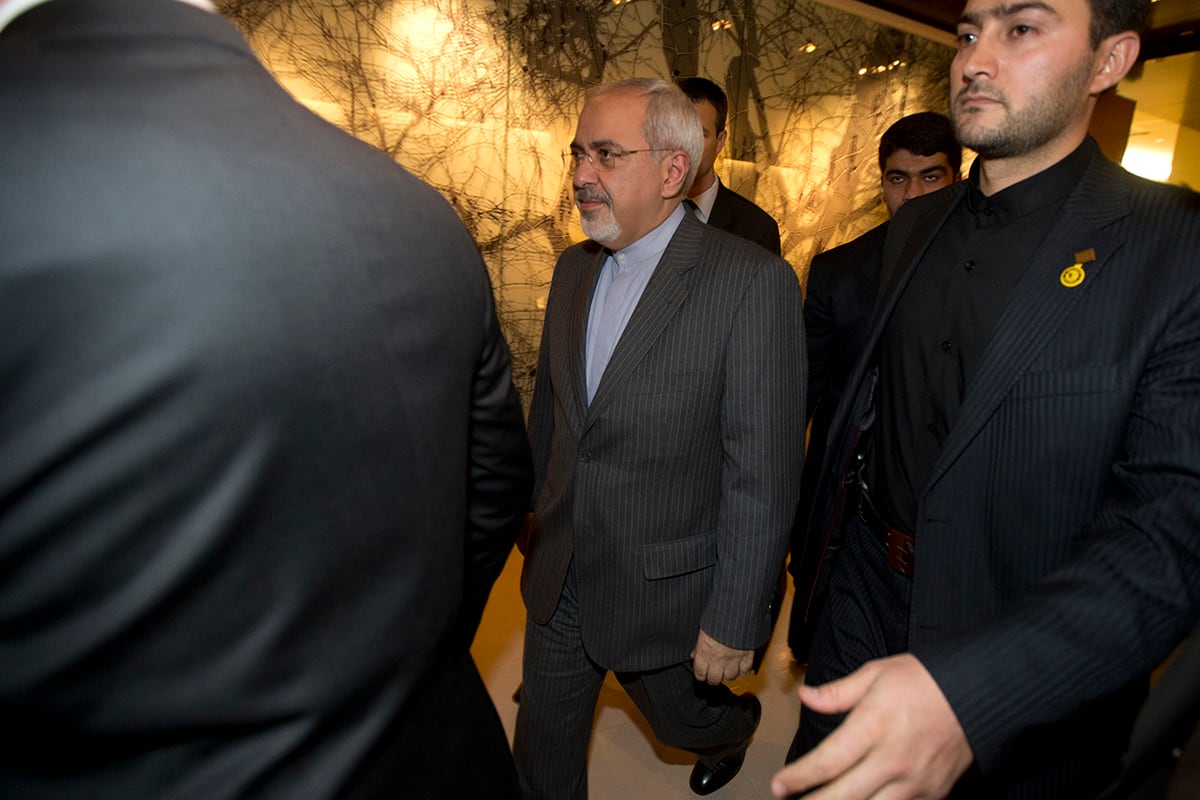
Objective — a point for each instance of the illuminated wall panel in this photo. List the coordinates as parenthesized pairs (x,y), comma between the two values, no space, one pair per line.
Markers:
(479,97)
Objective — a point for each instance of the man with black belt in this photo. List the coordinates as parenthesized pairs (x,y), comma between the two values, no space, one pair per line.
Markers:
(918,154)
(1028,412)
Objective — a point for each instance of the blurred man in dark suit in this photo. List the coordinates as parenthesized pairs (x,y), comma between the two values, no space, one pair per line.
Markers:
(1006,536)
(667,429)
(712,201)
(917,154)
(260,454)
(1162,760)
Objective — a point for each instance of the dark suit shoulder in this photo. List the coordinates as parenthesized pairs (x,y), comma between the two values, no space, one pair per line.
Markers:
(851,252)
(1159,223)
(740,216)
(1149,198)
(731,250)
(743,205)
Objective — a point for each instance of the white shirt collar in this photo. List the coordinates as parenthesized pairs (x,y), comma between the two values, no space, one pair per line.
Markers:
(707,199)
(11,9)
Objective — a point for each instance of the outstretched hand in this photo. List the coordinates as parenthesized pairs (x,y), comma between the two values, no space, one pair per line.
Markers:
(900,739)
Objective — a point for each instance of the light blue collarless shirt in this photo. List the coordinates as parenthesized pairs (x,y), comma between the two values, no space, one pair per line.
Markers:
(623,278)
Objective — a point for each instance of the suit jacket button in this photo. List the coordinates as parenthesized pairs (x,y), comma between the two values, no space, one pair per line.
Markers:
(585,456)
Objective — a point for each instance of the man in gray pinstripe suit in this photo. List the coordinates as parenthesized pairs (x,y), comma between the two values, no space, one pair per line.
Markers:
(667,423)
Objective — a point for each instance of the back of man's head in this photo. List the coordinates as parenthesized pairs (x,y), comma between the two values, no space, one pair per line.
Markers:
(698,89)
(926,133)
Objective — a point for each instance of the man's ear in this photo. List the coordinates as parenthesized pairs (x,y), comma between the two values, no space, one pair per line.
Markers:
(678,164)
(721,137)
(1118,53)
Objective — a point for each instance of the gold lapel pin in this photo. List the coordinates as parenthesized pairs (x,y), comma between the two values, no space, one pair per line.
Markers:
(1073,275)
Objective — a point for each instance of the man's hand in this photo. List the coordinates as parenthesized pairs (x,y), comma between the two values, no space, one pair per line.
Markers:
(901,739)
(713,662)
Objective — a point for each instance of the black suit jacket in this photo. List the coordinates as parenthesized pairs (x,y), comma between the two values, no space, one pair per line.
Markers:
(838,300)
(260,455)
(734,213)
(673,491)
(841,290)
(1058,554)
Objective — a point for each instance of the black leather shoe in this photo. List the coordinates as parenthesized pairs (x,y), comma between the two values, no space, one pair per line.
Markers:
(706,780)
(711,774)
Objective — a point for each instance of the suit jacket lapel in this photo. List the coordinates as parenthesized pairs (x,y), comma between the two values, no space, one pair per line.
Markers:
(1041,301)
(909,238)
(902,251)
(869,269)
(906,238)
(660,301)
(575,324)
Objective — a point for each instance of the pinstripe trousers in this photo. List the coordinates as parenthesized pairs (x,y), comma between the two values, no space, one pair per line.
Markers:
(865,617)
(561,685)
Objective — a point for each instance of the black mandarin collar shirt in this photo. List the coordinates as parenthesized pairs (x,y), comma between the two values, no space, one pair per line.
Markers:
(936,338)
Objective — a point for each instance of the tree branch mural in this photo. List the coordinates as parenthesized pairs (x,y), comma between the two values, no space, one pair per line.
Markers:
(479,98)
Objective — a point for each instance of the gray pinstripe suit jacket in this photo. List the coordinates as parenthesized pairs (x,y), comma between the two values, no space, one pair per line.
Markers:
(675,490)
(1058,539)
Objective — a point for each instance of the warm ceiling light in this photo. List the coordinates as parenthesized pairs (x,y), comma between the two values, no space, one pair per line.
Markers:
(810,47)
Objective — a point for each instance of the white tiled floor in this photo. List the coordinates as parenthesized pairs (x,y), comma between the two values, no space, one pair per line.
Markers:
(626,762)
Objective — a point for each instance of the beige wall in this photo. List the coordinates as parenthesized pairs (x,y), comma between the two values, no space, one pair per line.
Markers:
(479,98)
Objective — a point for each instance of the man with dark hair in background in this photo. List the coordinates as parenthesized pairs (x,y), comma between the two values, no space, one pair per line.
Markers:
(1007,539)
(711,200)
(917,154)
(261,458)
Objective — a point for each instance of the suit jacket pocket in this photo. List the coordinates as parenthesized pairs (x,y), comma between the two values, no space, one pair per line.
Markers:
(652,382)
(679,556)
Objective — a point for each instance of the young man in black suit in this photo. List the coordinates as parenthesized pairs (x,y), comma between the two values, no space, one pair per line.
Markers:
(715,203)
(261,459)
(1013,490)
(917,154)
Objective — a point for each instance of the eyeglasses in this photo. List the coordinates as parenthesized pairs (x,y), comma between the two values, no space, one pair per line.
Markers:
(604,159)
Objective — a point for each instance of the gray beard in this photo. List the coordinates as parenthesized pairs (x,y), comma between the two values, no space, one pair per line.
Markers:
(599,227)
